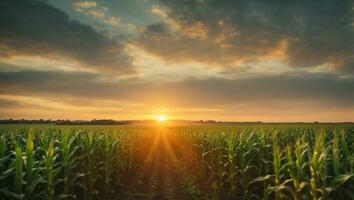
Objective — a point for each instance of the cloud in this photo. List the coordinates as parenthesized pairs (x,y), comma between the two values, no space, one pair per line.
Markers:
(85,4)
(163,15)
(89,8)
(308,33)
(65,108)
(96,13)
(303,96)
(209,92)
(113,21)
(8,103)
(191,44)
(40,63)
(33,28)
(157,39)
(227,59)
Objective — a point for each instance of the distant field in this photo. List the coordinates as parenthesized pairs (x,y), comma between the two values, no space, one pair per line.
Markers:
(261,161)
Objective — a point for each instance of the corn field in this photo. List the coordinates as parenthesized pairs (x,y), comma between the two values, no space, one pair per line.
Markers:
(177,162)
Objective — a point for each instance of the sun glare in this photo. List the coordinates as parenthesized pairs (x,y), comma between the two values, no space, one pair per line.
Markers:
(161,118)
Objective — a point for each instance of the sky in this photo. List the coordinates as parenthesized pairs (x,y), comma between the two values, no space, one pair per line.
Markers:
(230,60)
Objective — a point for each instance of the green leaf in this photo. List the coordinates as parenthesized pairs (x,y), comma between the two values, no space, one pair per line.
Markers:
(339,180)
(18,170)
(262,178)
(33,185)
(9,193)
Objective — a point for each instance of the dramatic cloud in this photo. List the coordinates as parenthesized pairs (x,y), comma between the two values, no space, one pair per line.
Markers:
(36,29)
(193,59)
(225,32)
(318,89)
(295,97)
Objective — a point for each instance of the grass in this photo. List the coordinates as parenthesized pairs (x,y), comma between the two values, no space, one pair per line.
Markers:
(275,161)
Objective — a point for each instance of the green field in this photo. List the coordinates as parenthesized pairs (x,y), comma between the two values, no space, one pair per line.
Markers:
(264,161)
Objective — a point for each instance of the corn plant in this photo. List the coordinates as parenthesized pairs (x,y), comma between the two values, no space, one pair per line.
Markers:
(51,171)
(69,160)
(242,162)
(32,168)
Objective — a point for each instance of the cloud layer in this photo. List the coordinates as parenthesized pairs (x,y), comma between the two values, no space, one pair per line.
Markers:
(195,59)
(37,29)
(226,32)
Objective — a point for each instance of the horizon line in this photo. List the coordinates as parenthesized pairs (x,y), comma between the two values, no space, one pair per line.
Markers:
(171,120)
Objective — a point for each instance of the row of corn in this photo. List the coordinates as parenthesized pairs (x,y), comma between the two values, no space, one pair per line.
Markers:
(60,164)
(224,162)
(276,163)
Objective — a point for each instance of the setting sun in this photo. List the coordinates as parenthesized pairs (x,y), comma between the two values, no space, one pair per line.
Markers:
(161,118)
